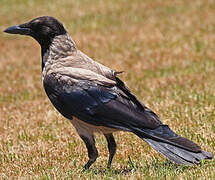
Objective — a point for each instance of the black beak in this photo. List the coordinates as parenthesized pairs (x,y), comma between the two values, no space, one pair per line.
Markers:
(18,29)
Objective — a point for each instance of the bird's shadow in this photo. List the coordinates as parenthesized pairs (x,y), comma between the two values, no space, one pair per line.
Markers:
(131,168)
(111,171)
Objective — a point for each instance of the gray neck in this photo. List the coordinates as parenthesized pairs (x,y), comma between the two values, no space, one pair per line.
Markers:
(60,47)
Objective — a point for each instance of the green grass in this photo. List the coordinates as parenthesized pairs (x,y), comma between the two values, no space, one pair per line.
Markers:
(167,50)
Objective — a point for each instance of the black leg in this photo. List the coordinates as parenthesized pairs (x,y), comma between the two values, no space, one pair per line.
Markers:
(92,151)
(111,147)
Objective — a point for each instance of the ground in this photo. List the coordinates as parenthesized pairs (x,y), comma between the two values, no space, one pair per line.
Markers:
(166,50)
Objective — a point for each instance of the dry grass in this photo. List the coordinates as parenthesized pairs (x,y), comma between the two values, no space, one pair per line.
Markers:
(167,49)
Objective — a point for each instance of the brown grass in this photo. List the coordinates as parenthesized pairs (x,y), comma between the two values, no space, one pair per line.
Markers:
(166,49)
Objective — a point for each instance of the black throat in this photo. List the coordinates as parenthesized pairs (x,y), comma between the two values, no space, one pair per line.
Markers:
(45,51)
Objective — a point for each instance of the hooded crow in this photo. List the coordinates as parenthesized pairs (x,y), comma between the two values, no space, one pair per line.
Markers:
(95,100)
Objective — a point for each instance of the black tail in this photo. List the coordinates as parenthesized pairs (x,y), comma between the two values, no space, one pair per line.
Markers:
(178,149)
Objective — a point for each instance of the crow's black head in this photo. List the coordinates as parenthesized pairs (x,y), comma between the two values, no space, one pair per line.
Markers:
(43,29)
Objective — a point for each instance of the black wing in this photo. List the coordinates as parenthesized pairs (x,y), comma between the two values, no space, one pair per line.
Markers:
(113,106)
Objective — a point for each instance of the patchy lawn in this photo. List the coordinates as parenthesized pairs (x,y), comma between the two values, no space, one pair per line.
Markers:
(167,50)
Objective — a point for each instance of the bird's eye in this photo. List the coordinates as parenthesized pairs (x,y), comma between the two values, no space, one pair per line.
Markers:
(44,30)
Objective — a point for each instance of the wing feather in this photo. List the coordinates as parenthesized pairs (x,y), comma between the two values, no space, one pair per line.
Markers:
(110,106)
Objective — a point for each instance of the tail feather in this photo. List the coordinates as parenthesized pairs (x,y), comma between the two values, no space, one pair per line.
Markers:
(178,149)
(177,154)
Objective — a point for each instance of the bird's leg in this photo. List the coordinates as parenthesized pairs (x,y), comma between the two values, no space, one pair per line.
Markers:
(91,148)
(111,147)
